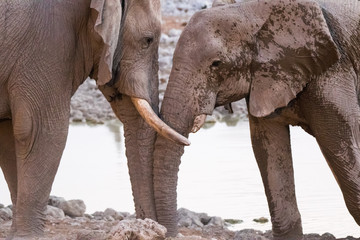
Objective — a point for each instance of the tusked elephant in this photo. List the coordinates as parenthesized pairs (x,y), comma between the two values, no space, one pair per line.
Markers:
(47,49)
(296,62)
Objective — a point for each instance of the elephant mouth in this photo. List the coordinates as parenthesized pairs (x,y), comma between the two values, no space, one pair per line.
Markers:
(151,118)
(198,123)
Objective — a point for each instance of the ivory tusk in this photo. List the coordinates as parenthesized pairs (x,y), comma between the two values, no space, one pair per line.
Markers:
(198,123)
(148,114)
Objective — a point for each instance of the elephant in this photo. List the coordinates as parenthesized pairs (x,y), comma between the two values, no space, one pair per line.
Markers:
(47,49)
(295,62)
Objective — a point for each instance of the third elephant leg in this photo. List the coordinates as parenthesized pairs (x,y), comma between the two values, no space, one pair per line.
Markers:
(8,160)
(271,144)
(334,118)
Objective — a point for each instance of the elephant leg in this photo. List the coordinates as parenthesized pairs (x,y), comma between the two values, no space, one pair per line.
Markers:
(271,145)
(336,128)
(8,162)
(331,108)
(342,154)
(40,128)
(139,140)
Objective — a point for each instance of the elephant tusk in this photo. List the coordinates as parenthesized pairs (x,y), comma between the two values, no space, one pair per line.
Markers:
(148,114)
(198,123)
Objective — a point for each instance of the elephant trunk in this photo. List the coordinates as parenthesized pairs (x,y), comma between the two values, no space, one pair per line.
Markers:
(139,143)
(176,112)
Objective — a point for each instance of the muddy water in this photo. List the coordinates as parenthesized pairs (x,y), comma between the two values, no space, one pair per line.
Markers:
(218,176)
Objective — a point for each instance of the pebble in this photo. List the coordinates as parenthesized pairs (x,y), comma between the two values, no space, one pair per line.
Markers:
(74,208)
(54,212)
(5,214)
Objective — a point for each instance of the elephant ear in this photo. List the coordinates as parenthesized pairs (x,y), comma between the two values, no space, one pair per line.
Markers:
(294,46)
(106,16)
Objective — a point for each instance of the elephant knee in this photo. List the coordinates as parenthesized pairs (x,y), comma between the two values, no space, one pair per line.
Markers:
(24,131)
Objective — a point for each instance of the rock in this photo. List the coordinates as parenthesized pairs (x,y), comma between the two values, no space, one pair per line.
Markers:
(218,3)
(138,229)
(76,115)
(175,32)
(110,215)
(56,201)
(89,105)
(249,234)
(5,214)
(261,220)
(109,212)
(187,218)
(71,208)
(127,215)
(98,215)
(326,236)
(216,221)
(54,212)
(233,221)
(74,208)
(184,7)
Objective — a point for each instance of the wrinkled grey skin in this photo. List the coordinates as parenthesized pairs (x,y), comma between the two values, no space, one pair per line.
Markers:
(47,49)
(296,63)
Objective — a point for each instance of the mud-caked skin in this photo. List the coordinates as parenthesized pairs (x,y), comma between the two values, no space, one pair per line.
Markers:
(47,49)
(297,63)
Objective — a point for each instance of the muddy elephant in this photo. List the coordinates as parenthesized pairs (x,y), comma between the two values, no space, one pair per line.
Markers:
(47,49)
(296,62)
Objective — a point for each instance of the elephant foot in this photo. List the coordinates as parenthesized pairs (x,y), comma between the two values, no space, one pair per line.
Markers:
(293,233)
(31,231)
(171,233)
(27,236)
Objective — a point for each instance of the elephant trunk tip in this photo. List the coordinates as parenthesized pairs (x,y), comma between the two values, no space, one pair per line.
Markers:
(198,123)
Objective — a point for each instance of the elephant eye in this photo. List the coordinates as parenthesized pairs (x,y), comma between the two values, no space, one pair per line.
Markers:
(147,41)
(216,63)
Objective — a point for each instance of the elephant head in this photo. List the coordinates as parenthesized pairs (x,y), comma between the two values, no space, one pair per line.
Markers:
(264,51)
(126,68)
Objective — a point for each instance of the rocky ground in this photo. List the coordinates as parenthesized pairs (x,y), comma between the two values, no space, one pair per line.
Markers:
(66,220)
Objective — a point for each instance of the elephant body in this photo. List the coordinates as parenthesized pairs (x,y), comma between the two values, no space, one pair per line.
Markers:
(297,63)
(47,49)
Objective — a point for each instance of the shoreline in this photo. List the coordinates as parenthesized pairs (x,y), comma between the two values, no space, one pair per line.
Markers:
(68,220)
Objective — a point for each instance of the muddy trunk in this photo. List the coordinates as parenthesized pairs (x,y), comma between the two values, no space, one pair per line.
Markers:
(176,113)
